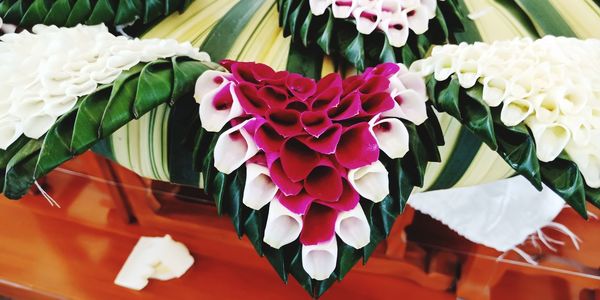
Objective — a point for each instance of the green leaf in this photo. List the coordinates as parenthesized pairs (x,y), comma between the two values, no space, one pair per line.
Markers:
(325,34)
(347,258)
(19,170)
(57,15)
(477,116)
(448,99)
(102,11)
(119,109)
(154,86)
(88,120)
(564,178)
(82,9)
(35,14)
(56,148)
(353,50)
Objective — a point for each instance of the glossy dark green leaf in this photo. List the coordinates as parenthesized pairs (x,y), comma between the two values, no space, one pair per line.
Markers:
(354,51)
(35,14)
(155,86)
(7,155)
(325,34)
(219,191)
(448,98)
(119,109)
(593,196)
(152,10)
(564,178)
(19,170)
(57,15)
(128,11)
(415,161)
(56,148)
(88,120)
(236,206)
(477,116)
(82,9)
(186,73)
(102,12)
(347,258)
(14,14)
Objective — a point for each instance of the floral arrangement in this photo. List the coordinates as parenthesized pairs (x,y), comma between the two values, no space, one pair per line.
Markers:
(549,85)
(394,18)
(367,32)
(70,63)
(311,149)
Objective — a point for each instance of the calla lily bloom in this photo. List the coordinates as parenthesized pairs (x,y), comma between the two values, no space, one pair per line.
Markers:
(234,147)
(367,19)
(515,111)
(409,105)
(391,135)
(10,130)
(209,81)
(324,182)
(357,147)
(283,226)
(588,162)
(37,125)
(353,228)
(259,189)
(219,107)
(298,160)
(347,200)
(550,139)
(418,19)
(318,7)
(371,181)
(319,225)
(396,29)
(297,203)
(494,90)
(343,8)
(281,179)
(319,260)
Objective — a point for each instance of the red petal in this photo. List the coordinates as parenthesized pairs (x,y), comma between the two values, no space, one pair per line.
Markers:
(268,139)
(352,84)
(263,72)
(385,69)
(298,160)
(315,122)
(375,84)
(300,86)
(249,99)
(349,107)
(347,201)
(286,122)
(297,105)
(319,225)
(223,99)
(242,72)
(326,142)
(298,204)
(324,183)
(375,103)
(282,181)
(273,96)
(329,90)
(357,147)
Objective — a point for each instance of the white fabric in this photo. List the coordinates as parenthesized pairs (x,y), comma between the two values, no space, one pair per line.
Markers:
(500,215)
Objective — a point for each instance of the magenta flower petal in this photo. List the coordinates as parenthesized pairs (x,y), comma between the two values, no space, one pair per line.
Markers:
(267,139)
(349,107)
(263,72)
(286,122)
(250,72)
(319,225)
(285,185)
(275,97)
(298,160)
(298,203)
(385,70)
(249,99)
(375,84)
(329,90)
(326,142)
(357,147)
(297,105)
(348,199)
(352,84)
(278,80)
(300,86)
(324,183)
(315,122)
(376,103)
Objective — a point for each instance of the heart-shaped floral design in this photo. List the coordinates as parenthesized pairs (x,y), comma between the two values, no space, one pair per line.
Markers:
(311,148)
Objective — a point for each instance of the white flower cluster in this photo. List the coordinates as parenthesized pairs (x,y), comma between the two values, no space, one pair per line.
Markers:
(552,84)
(43,73)
(393,17)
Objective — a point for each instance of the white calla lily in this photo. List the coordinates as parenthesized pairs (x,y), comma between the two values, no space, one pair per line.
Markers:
(215,115)
(259,189)
(370,181)
(283,226)
(318,7)
(410,106)
(418,19)
(588,162)
(353,228)
(10,130)
(574,99)
(367,19)
(414,82)
(580,128)
(396,29)
(319,260)
(343,9)
(37,125)
(233,148)
(515,111)
(550,139)
(431,6)
(391,135)
(443,67)
(494,90)
(547,106)
(208,82)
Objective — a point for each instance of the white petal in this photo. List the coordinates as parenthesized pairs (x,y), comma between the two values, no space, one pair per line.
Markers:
(343,9)
(212,118)
(575,99)
(443,67)
(36,126)
(467,72)
(514,111)
(366,19)
(494,90)
(414,82)
(550,140)
(412,107)
(319,260)
(392,137)
(27,106)
(259,189)
(234,147)
(418,19)
(10,131)
(124,61)
(396,29)
(371,181)
(423,67)
(431,6)
(318,7)
(580,129)
(521,86)
(547,107)
(60,105)
(283,226)
(353,228)
(208,82)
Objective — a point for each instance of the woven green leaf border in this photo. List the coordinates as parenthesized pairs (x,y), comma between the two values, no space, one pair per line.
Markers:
(339,37)
(26,13)
(515,144)
(96,116)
